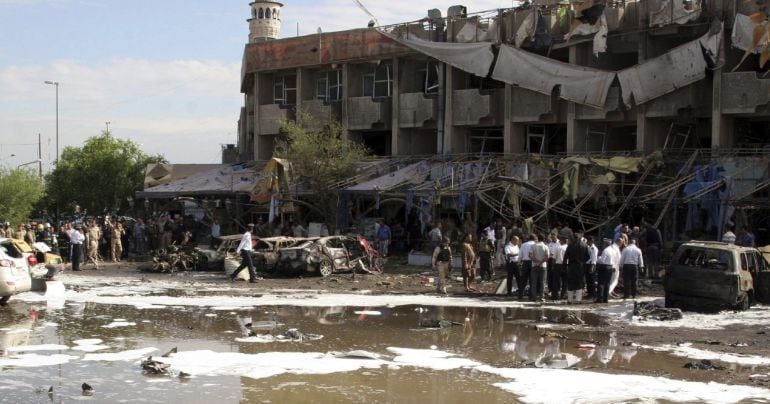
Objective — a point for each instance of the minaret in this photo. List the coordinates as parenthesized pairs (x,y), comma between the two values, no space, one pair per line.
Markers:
(265,21)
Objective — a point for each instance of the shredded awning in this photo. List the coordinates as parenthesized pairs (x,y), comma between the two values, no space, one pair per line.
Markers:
(474,58)
(224,180)
(677,68)
(582,85)
(395,179)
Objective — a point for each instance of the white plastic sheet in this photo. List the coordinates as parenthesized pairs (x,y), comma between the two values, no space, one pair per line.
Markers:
(582,85)
(475,58)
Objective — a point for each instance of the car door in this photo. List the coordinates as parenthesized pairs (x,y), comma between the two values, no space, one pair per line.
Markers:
(21,271)
(336,249)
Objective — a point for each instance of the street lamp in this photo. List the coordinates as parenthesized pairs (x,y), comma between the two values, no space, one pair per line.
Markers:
(56,84)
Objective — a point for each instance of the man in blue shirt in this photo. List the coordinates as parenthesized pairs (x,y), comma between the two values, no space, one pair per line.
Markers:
(383,238)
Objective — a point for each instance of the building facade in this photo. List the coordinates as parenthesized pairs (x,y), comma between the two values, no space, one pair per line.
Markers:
(671,75)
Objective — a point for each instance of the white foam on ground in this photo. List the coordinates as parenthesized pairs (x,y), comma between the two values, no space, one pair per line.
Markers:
(262,365)
(90,348)
(687,351)
(38,348)
(529,384)
(117,324)
(431,359)
(368,313)
(90,341)
(120,356)
(759,315)
(35,360)
(573,386)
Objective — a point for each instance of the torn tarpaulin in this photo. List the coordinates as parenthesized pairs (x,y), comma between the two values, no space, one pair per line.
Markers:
(681,66)
(475,58)
(675,12)
(583,85)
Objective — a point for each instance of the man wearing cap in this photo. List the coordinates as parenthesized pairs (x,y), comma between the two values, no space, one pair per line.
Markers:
(244,249)
(76,241)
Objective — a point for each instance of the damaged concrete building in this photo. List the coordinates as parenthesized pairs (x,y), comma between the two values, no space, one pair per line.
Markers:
(681,82)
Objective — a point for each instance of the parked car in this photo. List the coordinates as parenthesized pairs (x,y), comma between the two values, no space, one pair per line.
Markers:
(265,253)
(24,261)
(327,255)
(7,278)
(707,274)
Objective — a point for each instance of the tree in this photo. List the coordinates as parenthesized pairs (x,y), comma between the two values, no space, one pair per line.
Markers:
(103,174)
(20,190)
(320,155)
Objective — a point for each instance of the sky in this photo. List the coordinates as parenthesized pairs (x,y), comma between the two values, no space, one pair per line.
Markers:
(163,73)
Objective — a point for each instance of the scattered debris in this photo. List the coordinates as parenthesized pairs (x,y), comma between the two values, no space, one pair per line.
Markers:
(169,353)
(174,258)
(183,375)
(552,334)
(570,319)
(87,389)
(358,354)
(651,311)
(434,323)
(153,367)
(585,346)
(704,364)
(556,361)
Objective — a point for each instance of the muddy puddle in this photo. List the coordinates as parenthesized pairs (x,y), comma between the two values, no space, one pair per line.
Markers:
(338,354)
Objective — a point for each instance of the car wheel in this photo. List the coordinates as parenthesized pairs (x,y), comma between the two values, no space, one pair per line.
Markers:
(4,300)
(745,303)
(325,267)
(669,301)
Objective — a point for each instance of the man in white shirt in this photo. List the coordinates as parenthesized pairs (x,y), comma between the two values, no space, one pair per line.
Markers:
(244,249)
(553,249)
(631,261)
(559,287)
(76,241)
(525,263)
(216,233)
(605,265)
(618,245)
(539,255)
(590,268)
(512,263)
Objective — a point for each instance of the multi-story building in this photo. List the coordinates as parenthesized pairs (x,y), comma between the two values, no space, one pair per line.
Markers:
(401,90)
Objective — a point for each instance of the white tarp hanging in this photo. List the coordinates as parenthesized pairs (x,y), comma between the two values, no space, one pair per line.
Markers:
(474,58)
(582,85)
(666,73)
(527,29)
(600,29)
(743,34)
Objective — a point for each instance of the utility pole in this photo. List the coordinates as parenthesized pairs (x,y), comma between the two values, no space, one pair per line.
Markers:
(56,84)
(39,158)
(108,125)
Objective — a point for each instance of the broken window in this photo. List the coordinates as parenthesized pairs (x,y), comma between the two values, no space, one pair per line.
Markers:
(705,258)
(285,90)
(427,76)
(328,86)
(379,83)
(483,141)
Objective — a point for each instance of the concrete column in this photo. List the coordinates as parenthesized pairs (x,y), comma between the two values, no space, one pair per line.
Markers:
(448,113)
(576,130)
(395,114)
(645,128)
(721,134)
(345,97)
(508,120)
(255,106)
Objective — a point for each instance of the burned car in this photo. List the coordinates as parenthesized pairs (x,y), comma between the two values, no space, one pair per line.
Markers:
(327,255)
(265,253)
(711,275)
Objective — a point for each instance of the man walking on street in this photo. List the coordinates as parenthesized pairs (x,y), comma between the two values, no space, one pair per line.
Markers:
(469,263)
(442,260)
(631,261)
(93,234)
(244,249)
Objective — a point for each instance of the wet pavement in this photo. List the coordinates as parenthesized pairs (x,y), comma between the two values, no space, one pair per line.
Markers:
(485,354)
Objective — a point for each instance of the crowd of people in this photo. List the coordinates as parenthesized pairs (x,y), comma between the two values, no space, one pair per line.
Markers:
(562,265)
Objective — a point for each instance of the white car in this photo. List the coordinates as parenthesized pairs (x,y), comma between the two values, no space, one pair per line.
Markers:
(23,260)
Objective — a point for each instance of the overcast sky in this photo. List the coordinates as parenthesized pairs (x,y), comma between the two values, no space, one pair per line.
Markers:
(165,73)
